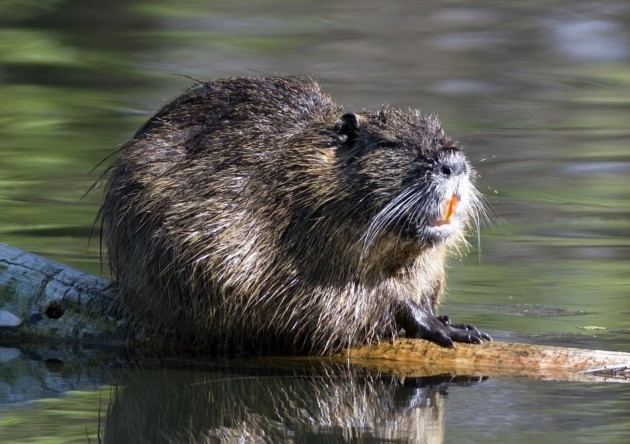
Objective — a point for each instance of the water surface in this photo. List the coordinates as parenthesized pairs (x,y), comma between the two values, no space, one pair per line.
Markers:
(538,94)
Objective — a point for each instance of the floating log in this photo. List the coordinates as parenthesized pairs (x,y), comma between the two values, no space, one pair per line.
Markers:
(44,301)
(412,357)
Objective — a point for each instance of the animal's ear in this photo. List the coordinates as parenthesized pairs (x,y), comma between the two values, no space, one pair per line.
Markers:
(348,125)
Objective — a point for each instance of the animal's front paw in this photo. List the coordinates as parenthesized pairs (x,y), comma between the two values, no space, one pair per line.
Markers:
(464,332)
(418,323)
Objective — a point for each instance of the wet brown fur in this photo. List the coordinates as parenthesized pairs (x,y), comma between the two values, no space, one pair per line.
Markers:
(236,218)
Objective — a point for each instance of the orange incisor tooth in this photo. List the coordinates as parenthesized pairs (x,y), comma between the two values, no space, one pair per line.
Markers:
(452,206)
(449,210)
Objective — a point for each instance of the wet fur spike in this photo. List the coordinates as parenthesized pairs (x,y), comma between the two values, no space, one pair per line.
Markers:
(246,215)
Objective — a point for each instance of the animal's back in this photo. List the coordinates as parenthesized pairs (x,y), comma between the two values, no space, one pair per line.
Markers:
(192,215)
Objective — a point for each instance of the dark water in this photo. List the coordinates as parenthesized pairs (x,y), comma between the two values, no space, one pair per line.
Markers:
(539,95)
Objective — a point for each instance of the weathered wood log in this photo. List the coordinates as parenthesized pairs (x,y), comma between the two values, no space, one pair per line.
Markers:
(409,357)
(42,300)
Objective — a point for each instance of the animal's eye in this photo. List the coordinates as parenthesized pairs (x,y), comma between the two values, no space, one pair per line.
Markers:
(387,144)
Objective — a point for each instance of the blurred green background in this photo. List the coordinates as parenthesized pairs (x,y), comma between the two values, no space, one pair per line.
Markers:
(537,92)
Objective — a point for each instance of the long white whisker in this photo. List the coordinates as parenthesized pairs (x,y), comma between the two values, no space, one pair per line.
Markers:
(382,216)
(414,216)
(382,220)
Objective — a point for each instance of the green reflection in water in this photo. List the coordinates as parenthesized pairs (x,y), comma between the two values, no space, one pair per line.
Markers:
(546,128)
(78,417)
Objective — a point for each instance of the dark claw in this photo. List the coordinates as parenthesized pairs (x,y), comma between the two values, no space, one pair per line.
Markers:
(470,333)
(435,331)
(467,327)
(444,319)
(463,335)
(439,337)
(419,323)
(467,333)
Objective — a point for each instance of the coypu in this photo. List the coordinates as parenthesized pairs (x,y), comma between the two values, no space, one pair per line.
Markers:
(253,215)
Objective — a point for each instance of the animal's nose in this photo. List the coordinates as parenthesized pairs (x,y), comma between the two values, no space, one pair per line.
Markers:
(451,164)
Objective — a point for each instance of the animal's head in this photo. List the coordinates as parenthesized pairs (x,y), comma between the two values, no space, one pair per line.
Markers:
(414,180)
